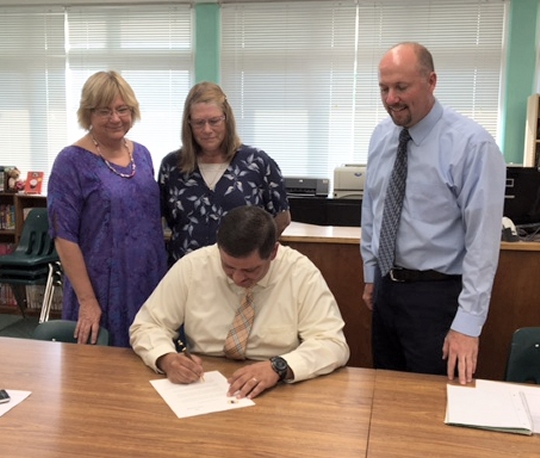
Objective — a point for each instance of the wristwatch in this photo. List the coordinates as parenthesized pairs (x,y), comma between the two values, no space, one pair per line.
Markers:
(280,366)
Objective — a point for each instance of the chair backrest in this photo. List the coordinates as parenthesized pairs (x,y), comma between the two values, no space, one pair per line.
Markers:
(63,330)
(524,358)
(35,240)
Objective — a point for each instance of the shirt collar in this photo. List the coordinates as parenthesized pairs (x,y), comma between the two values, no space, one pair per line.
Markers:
(421,130)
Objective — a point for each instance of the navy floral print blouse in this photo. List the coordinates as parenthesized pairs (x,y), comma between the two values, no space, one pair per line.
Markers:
(193,211)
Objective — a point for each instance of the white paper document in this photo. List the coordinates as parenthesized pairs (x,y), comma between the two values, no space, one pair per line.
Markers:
(17,397)
(200,397)
(531,394)
(498,406)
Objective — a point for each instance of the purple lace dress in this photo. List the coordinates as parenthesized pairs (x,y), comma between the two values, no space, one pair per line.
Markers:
(117,224)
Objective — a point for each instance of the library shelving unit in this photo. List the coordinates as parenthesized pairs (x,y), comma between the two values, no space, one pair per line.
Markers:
(21,203)
(531,153)
(7,216)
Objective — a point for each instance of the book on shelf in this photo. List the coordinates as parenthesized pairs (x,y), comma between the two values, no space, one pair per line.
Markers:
(7,217)
(34,182)
(7,298)
(34,297)
(6,248)
(495,406)
(26,211)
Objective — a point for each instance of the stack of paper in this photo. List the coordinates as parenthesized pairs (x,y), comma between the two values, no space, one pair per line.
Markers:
(497,406)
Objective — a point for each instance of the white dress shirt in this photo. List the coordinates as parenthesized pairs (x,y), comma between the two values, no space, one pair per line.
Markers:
(296,315)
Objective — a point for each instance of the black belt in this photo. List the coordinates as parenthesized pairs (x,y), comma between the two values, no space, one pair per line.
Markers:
(406,275)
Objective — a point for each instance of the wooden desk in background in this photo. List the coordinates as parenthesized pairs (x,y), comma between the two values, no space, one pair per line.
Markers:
(90,401)
(336,252)
(515,300)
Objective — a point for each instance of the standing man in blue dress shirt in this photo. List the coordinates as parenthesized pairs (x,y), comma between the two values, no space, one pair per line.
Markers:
(428,311)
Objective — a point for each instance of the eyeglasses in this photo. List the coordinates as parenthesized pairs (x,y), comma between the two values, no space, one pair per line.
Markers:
(122,112)
(200,124)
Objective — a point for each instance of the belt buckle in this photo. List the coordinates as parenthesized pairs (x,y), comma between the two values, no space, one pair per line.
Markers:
(393,277)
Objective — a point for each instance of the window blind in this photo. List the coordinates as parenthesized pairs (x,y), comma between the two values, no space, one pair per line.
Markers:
(151,46)
(302,76)
(46,55)
(31,63)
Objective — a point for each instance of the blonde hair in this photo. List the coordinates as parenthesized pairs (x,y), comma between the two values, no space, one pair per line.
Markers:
(206,92)
(100,90)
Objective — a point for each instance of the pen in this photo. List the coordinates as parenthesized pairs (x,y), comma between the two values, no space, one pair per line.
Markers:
(188,354)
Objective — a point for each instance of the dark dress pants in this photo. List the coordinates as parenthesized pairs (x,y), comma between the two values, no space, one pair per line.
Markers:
(410,322)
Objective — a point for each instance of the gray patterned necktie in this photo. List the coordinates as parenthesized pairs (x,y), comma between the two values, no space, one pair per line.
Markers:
(393,204)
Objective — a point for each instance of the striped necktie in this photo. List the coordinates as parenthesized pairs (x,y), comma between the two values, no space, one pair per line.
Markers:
(236,341)
(393,204)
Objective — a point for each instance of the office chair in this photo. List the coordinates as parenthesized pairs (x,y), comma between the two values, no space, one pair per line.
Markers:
(34,262)
(524,358)
(62,331)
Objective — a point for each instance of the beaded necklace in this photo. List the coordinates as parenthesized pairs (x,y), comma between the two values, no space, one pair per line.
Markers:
(109,165)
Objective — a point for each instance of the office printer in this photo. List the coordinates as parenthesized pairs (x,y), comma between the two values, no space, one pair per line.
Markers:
(307,187)
(349,181)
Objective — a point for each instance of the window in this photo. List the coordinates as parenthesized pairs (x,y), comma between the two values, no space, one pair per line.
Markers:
(302,76)
(32,87)
(46,55)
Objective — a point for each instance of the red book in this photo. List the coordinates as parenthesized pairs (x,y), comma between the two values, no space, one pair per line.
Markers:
(33,183)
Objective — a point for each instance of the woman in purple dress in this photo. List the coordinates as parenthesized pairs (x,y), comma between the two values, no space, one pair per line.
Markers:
(213,173)
(104,215)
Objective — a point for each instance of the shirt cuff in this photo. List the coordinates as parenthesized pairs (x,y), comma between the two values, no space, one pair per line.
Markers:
(369,274)
(153,355)
(465,323)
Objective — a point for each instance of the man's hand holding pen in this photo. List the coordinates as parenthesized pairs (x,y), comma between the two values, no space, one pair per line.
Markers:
(182,367)
(247,382)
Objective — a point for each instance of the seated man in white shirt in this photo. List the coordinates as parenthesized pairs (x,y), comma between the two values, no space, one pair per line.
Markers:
(297,330)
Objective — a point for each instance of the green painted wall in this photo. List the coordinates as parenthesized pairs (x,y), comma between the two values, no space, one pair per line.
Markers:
(520,76)
(207,44)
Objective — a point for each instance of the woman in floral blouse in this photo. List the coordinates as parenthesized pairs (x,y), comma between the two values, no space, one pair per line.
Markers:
(212,173)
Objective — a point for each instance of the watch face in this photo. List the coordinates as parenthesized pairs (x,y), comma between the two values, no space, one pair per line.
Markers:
(280,366)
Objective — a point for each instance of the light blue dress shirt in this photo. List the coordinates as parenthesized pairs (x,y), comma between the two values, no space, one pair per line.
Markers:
(452,210)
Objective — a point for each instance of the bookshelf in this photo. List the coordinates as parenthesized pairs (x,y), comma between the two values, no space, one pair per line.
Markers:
(19,204)
(7,218)
(12,217)
(23,202)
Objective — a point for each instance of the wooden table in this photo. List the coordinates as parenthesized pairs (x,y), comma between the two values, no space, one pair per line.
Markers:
(407,421)
(90,401)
